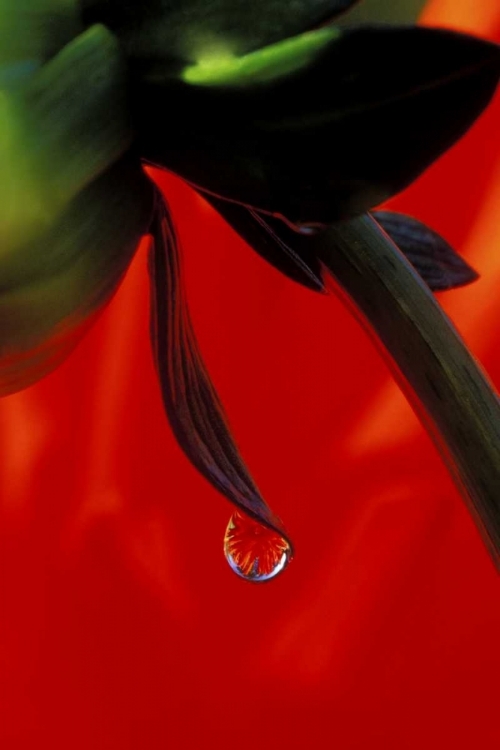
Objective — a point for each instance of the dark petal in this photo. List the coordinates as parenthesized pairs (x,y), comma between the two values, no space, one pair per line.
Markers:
(431,256)
(170,31)
(272,240)
(191,403)
(356,125)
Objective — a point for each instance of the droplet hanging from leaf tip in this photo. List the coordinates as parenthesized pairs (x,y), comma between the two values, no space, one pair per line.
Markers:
(253,551)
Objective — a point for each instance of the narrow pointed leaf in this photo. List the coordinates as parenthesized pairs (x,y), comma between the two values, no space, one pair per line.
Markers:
(434,259)
(368,115)
(273,241)
(191,402)
(161,33)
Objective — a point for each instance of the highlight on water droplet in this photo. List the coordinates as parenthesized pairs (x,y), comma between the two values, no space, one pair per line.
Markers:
(253,551)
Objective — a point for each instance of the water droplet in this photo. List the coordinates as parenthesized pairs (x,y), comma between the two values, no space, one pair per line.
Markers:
(253,551)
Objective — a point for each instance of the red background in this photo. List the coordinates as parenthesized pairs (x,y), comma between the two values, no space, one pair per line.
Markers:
(121,626)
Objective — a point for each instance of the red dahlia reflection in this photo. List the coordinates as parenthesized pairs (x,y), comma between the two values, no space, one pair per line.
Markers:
(253,551)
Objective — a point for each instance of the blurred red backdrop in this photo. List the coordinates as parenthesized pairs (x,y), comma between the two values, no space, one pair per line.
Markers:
(121,625)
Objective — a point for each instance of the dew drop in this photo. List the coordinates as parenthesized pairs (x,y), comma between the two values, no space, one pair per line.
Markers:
(253,551)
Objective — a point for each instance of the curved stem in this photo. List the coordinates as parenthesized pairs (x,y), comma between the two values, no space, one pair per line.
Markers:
(443,381)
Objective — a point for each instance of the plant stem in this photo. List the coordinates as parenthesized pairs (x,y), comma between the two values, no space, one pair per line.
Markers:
(443,382)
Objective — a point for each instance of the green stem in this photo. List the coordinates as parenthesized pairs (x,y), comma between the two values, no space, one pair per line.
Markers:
(442,380)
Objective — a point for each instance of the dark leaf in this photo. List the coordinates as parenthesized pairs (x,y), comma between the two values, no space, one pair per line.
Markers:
(191,403)
(274,241)
(166,32)
(359,123)
(436,262)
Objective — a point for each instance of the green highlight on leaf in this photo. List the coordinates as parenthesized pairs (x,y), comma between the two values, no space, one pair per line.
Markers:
(220,67)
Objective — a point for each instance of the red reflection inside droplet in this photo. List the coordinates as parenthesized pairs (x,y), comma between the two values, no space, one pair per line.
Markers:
(254,551)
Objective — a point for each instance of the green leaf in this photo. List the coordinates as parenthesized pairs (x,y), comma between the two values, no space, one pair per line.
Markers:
(34,30)
(82,259)
(75,203)
(59,131)
(187,31)
(435,260)
(358,124)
